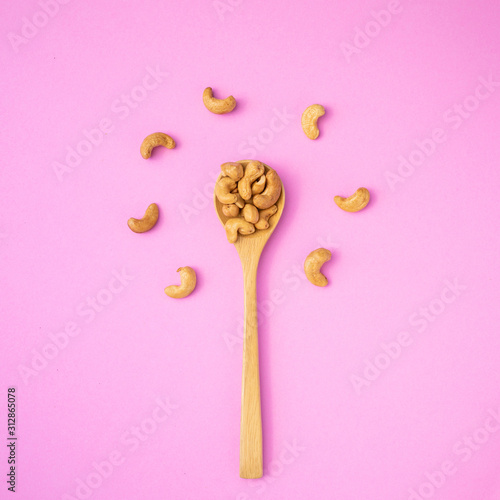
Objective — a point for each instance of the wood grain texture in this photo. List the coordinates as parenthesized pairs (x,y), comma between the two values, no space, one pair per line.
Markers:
(250,248)
(251,421)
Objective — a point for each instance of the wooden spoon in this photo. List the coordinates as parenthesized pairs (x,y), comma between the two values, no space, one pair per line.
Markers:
(249,248)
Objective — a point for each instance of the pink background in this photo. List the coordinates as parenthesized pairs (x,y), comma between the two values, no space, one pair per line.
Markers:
(326,434)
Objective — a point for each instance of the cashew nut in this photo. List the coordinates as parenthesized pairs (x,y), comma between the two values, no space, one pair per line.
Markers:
(254,169)
(240,202)
(188,284)
(272,192)
(233,170)
(309,118)
(313,263)
(147,222)
(259,185)
(223,188)
(235,226)
(218,106)
(264,216)
(250,213)
(355,202)
(153,140)
(230,210)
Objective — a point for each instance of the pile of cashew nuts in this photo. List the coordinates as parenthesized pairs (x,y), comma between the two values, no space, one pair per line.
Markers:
(248,195)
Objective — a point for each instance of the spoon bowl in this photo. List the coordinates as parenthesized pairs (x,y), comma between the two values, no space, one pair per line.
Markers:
(258,239)
(250,248)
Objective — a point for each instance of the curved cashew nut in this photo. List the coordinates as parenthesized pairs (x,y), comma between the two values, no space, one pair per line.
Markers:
(218,106)
(309,118)
(188,284)
(259,185)
(313,263)
(153,140)
(355,202)
(253,171)
(230,210)
(240,202)
(235,226)
(223,188)
(272,192)
(147,222)
(233,170)
(264,216)
(250,213)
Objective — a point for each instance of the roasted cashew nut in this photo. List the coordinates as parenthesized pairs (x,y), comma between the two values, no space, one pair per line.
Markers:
(272,192)
(250,213)
(223,188)
(235,226)
(218,106)
(233,170)
(355,202)
(254,169)
(188,284)
(313,263)
(309,120)
(230,210)
(259,185)
(264,216)
(153,140)
(240,202)
(147,222)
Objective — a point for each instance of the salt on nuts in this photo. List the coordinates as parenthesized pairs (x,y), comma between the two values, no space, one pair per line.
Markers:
(235,226)
(313,263)
(254,169)
(154,140)
(188,284)
(250,213)
(264,216)
(223,188)
(218,106)
(230,210)
(272,192)
(355,202)
(233,170)
(259,185)
(147,222)
(310,118)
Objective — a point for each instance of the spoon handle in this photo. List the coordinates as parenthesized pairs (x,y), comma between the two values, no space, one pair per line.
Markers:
(251,421)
